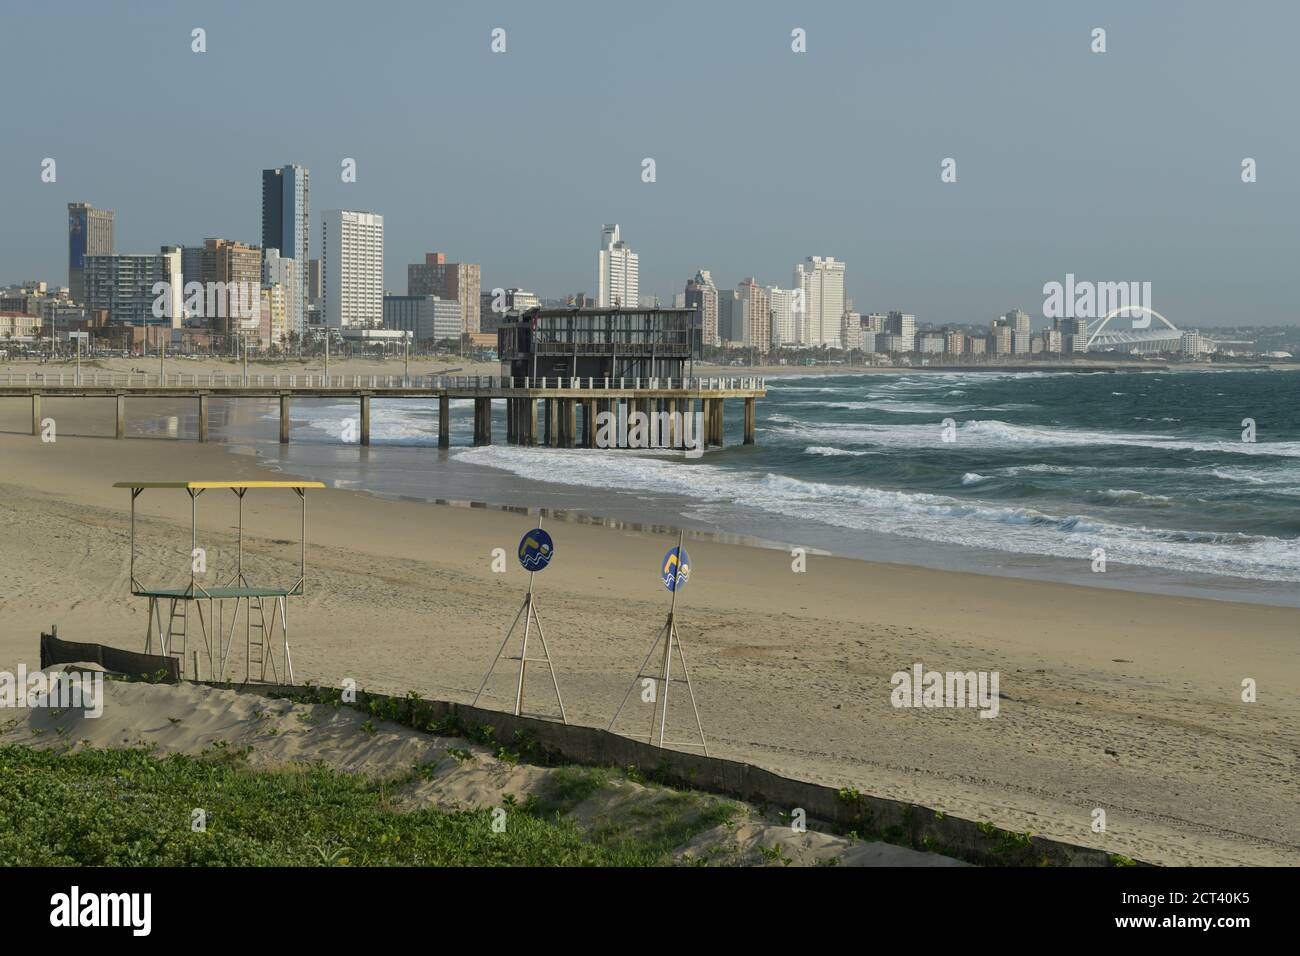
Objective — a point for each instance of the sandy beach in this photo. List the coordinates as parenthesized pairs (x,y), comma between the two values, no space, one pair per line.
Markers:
(1123,701)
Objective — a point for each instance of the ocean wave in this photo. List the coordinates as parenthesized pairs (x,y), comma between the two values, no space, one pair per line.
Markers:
(828,452)
(993,433)
(1129,496)
(929,517)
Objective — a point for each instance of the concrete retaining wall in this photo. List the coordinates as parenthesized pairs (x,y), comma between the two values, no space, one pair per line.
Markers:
(844,811)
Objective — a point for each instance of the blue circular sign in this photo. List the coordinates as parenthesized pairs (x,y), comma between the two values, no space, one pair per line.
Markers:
(676,570)
(536,550)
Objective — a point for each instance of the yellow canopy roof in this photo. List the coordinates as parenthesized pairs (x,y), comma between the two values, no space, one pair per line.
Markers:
(195,485)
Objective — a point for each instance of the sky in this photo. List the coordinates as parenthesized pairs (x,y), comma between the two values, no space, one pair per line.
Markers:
(1117,166)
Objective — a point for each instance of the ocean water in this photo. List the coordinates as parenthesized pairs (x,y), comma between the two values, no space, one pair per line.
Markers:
(1042,469)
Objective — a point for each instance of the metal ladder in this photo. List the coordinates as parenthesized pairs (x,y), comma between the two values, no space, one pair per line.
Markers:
(172,617)
(256,641)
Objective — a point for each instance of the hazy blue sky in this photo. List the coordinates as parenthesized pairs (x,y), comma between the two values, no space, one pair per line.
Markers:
(1116,166)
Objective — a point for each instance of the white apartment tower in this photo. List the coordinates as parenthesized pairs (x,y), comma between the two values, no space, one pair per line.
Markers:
(619,282)
(784,328)
(822,282)
(352,269)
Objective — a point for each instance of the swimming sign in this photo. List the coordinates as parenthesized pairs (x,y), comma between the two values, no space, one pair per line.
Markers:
(536,550)
(676,569)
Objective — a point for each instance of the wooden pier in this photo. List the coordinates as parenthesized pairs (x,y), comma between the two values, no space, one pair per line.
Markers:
(567,418)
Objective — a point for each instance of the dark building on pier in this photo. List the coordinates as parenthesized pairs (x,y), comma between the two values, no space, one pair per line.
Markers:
(628,343)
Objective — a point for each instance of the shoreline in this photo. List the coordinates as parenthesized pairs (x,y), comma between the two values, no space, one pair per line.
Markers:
(792,670)
(236,427)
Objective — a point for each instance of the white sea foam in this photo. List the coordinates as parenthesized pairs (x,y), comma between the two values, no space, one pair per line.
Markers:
(828,452)
(992,433)
(929,517)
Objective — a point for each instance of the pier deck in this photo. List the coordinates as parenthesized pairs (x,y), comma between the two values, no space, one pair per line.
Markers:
(567,418)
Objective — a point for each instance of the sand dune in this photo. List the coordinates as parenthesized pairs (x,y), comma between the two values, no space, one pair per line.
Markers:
(459,775)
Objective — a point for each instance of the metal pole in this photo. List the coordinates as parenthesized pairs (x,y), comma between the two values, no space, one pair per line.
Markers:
(302,543)
(134,493)
(528,621)
(239,554)
(193,534)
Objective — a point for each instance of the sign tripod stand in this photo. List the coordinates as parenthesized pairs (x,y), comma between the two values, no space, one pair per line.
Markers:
(535,553)
(676,571)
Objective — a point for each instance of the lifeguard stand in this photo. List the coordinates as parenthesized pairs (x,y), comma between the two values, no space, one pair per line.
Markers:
(259,632)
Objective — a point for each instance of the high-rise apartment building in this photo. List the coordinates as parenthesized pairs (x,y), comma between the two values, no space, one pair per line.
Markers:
(90,233)
(822,282)
(755,315)
(461,281)
(1020,331)
(619,270)
(234,271)
(783,303)
(702,296)
(126,287)
(1074,334)
(352,269)
(286,226)
(277,270)
(427,317)
(1000,337)
(901,326)
(851,331)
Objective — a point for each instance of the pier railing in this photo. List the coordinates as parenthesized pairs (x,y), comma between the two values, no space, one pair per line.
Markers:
(314,381)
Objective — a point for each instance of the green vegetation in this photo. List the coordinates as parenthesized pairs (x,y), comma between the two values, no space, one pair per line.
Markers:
(130,808)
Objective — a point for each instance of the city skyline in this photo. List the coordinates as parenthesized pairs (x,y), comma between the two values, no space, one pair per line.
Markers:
(1039,192)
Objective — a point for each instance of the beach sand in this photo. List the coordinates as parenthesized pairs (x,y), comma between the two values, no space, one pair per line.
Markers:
(1114,700)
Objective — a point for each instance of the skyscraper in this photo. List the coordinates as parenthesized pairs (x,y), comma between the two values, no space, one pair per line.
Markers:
(731,318)
(782,304)
(286,226)
(756,315)
(822,282)
(90,233)
(619,268)
(901,328)
(461,281)
(1020,331)
(702,296)
(352,269)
